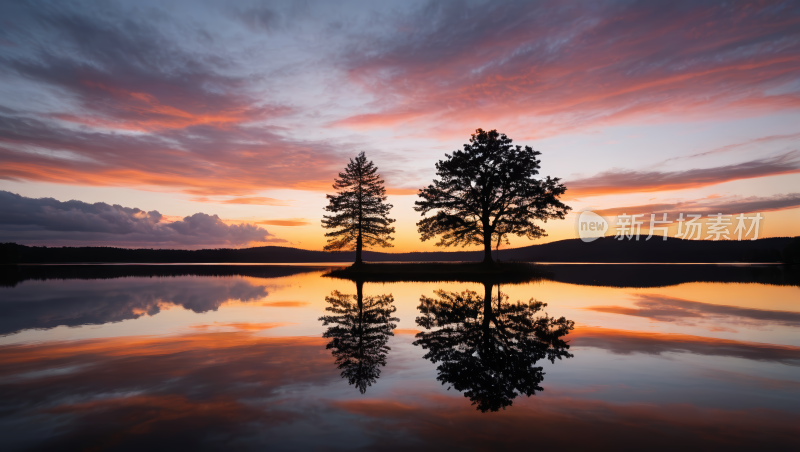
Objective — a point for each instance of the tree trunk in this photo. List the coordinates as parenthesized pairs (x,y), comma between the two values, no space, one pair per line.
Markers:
(359,245)
(360,295)
(487,246)
(488,315)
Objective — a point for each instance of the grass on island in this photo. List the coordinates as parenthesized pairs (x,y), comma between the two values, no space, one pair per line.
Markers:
(501,272)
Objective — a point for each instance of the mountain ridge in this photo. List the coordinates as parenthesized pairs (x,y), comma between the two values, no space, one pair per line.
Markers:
(603,250)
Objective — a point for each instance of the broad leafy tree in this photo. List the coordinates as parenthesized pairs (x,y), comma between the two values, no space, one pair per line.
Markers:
(360,211)
(487,191)
(488,348)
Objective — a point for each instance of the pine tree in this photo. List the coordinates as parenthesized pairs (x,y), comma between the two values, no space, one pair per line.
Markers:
(359,331)
(360,209)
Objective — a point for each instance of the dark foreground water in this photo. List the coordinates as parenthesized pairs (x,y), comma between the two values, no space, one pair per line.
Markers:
(282,358)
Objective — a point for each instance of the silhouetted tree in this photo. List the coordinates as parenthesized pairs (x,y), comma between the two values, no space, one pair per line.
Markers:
(487,191)
(487,347)
(360,209)
(359,332)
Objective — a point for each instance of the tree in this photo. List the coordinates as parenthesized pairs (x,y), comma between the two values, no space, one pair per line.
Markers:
(488,348)
(360,209)
(359,331)
(487,191)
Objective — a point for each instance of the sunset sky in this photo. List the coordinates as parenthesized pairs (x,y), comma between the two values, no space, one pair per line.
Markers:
(223,124)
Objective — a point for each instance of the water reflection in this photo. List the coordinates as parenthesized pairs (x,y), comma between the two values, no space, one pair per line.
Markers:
(359,331)
(247,376)
(120,293)
(487,347)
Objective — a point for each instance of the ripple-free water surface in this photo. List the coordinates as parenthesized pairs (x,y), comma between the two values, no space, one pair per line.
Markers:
(193,361)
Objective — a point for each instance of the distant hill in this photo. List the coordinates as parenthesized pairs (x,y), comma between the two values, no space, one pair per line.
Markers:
(573,250)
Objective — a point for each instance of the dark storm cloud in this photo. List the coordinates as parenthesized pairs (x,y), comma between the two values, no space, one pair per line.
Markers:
(46,220)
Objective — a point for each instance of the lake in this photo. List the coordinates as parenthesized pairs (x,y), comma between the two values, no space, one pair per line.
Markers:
(284,358)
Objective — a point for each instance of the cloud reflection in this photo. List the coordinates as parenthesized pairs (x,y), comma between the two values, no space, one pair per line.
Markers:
(44,306)
(662,308)
(626,342)
(201,389)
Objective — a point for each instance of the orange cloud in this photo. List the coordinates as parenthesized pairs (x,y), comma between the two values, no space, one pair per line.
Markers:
(402,191)
(286,304)
(142,111)
(410,331)
(252,200)
(241,326)
(289,222)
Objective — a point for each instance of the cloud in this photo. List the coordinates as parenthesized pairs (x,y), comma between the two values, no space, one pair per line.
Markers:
(241,326)
(661,308)
(257,200)
(616,181)
(231,161)
(627,342)
(252,200)
(729,205)
(546,68)
(749,144)
(128,99)
(410,331)
(286,304)
(48,221)
(128,73)
(287,222)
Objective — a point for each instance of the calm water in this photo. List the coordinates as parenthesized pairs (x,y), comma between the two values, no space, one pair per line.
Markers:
(282,358)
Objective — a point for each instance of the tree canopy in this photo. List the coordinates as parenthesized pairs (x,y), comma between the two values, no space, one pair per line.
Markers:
(359,331)
(360,209)
(486,191)
(488,348)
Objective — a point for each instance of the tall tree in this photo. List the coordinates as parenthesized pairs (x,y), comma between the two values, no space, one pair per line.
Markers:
(486,191)
(360,209)
(359,332)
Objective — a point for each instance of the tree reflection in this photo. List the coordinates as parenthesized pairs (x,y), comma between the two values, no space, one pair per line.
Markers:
(487,347)
(360,328)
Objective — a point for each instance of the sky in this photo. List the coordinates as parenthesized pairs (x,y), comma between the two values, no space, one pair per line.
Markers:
(223,124)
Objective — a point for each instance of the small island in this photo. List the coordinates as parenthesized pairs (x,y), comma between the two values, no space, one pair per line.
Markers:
(497,273)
